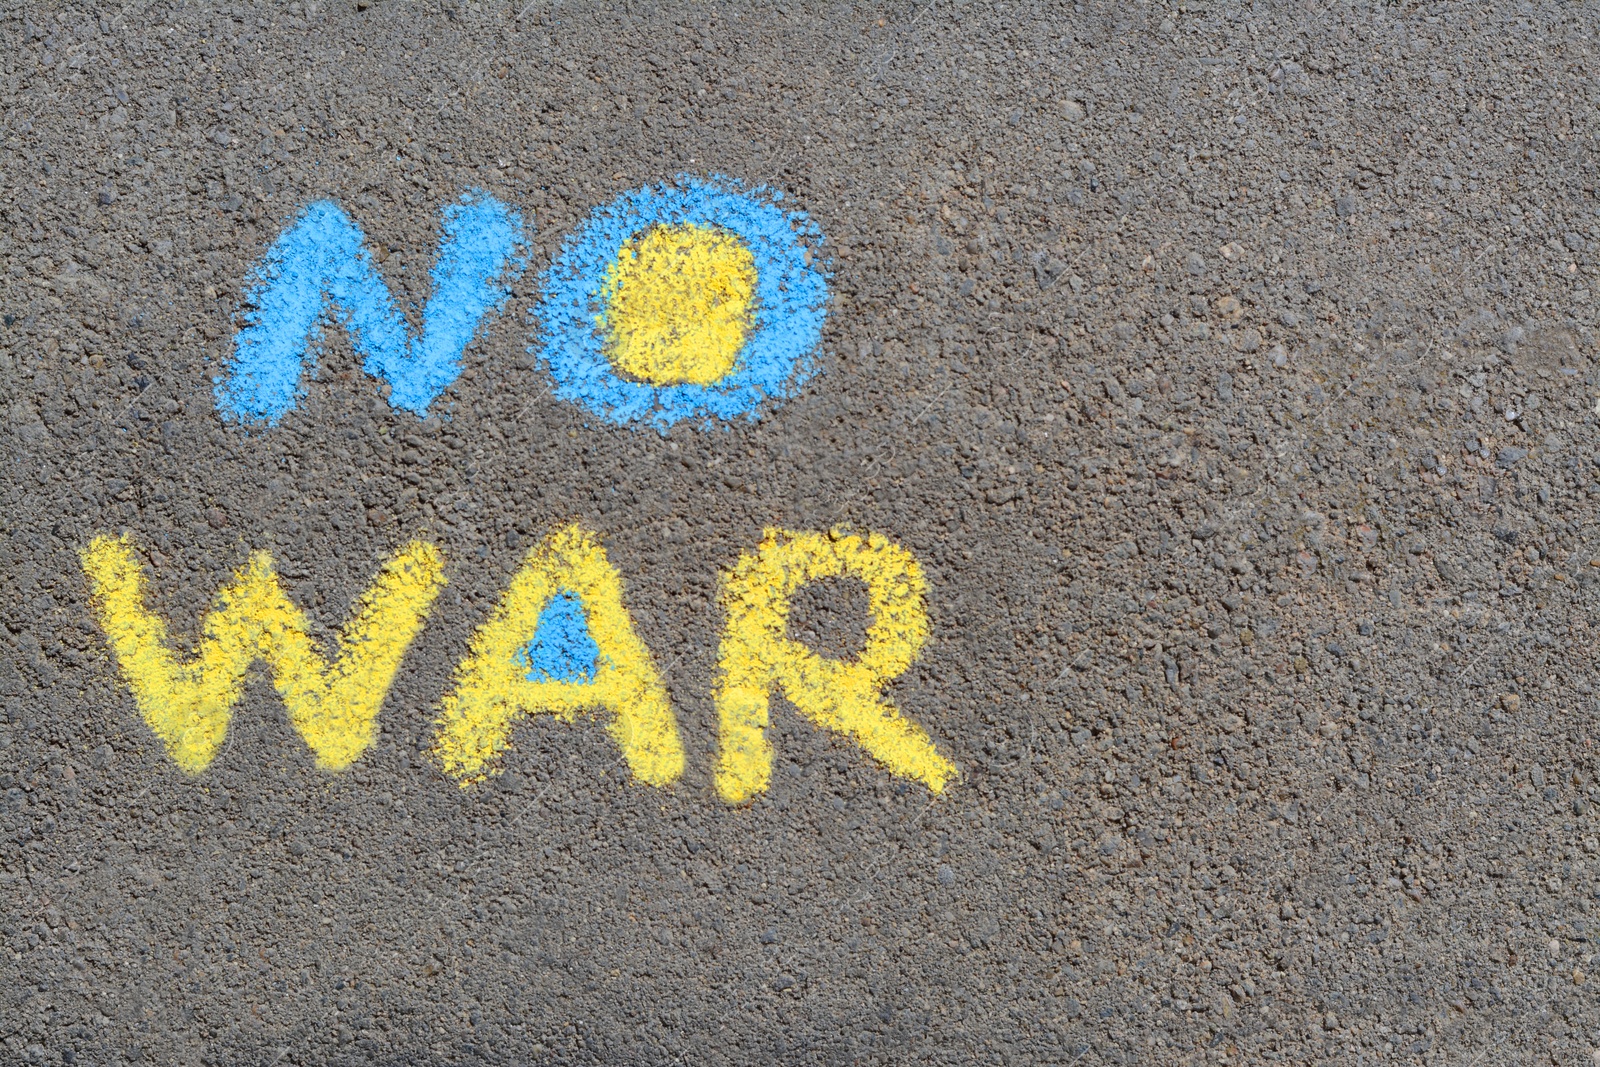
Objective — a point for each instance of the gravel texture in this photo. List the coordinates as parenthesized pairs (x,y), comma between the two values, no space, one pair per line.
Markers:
(1230,368)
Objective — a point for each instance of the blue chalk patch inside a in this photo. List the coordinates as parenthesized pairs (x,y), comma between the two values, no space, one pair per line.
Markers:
(561,649)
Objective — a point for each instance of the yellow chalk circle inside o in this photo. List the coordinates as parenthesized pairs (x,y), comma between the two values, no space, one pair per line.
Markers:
(677,304)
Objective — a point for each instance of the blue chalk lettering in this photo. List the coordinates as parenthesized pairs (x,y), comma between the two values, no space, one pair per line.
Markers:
(790,308)
(319,269)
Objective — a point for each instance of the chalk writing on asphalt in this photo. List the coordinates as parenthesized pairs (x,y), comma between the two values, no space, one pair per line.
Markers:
(560,642)
(334,706)
(516,666)
(319,268)
(698,299)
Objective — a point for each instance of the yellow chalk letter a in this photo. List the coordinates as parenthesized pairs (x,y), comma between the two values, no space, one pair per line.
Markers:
(757,654)
(333,706)
(496,683)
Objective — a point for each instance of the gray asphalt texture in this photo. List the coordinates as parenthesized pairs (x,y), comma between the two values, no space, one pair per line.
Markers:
(1230,368)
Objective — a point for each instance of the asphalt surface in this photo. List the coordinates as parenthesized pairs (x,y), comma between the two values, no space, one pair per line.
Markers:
(1229,370)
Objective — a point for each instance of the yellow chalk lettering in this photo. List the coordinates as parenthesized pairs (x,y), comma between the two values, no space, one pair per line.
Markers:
(333,707)
(496,683)
(845,696)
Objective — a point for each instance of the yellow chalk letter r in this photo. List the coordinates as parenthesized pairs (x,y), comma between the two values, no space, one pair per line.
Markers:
(845,696)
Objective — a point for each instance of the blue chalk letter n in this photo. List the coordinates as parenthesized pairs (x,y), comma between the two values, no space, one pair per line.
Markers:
(319,269)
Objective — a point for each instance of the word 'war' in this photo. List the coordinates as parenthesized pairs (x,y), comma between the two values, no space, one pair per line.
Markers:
(560,641)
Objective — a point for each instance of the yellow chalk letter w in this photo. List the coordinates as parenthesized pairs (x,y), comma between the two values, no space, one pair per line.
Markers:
(758,654)
(333,706)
